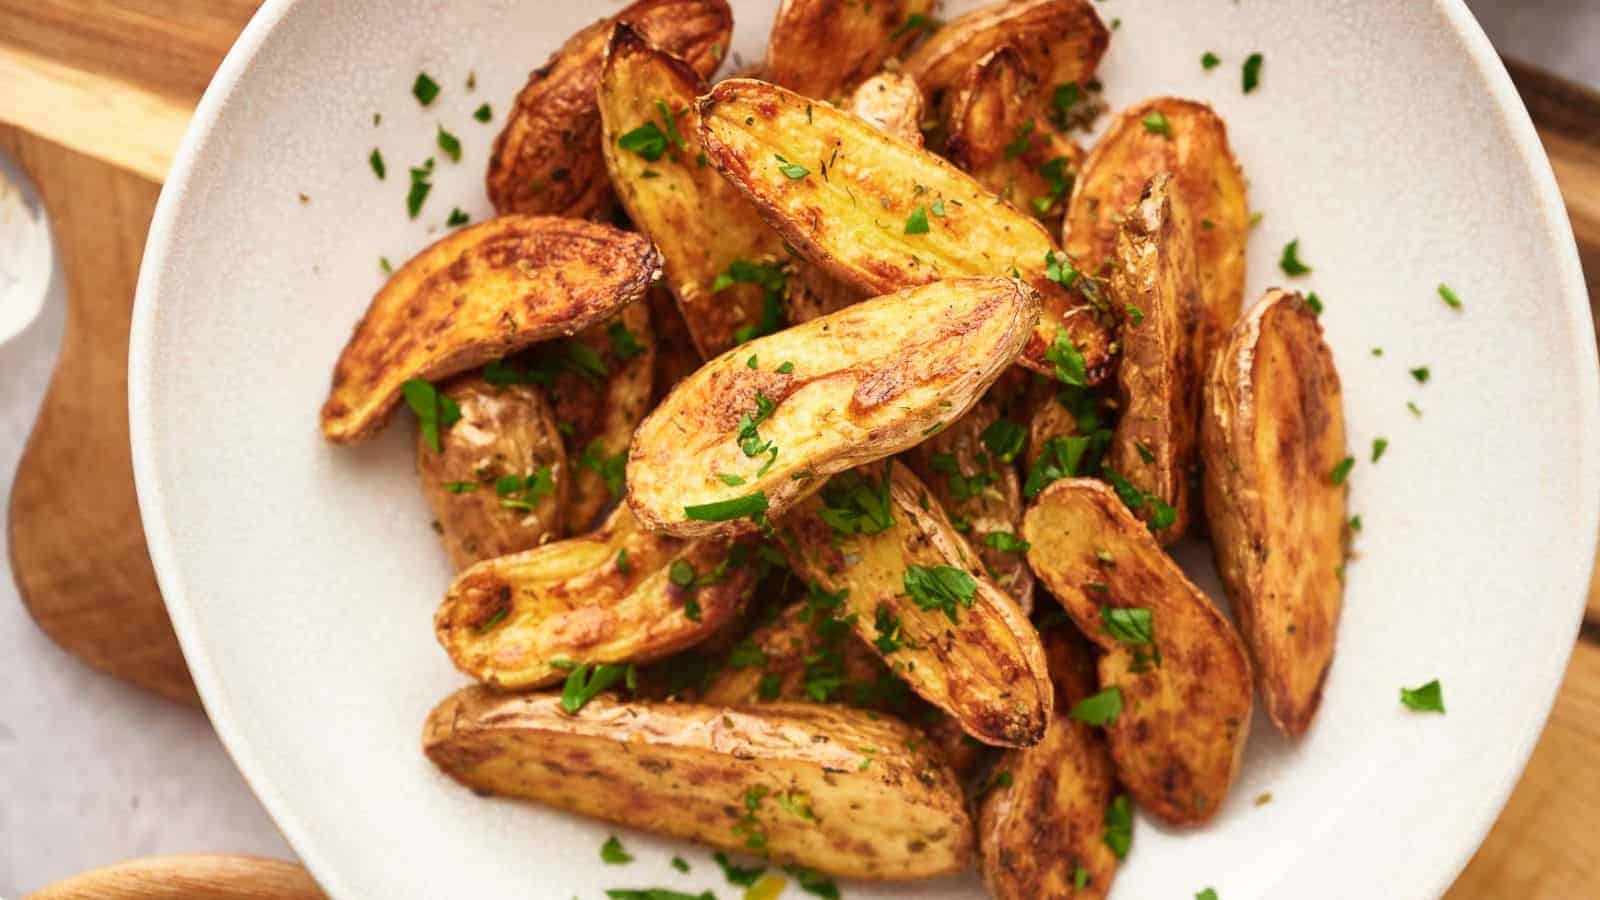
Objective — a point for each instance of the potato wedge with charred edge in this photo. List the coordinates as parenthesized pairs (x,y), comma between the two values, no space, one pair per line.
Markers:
(1061,41)
(700,223)
(880,214)
(1186,692)
(995,130)
(824,48)
(601,391)
(1039,827)
(1193,147)
(477,295)
(503,432)
(892,103)
(873,807)
(547,158)
(1272,433)
(985,668)
(765,424)
(1156,286)
(979,490)
(603,597)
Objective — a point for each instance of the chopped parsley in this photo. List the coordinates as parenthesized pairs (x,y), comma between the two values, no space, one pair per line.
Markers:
(785,369)
(962,487)
(517,492)
(611,468)
(1006,542)
(1290,262)
(1206,894)
(656,894)
(1209,60)
(747,654)
(814,883)
(648,140)
(376,161)
(890,638)
(385,265)
(1427,698)
(1100,709)
(1119,826)
(624,342)
(856,504)
(1023,140)
(739,875)
(1069,365)
(1061,457)
(680,864)
(791,170)
(425,89)
(748,825)
(1421,374)
(457,218)
(1080,878)
(1378,446)
(917,222)
(1315,302)
(724,510)
(502,374)
(1414,408)
(774,284)
(622,561)
(611,852)
(585,360)
(674,136)
(730,480)
(1004,438)
(913,22)
(1341,471)
(435,411)
(483,113)
(1133,628)
(450,145)
(1135,315)
(587,681)
(939,588)
(420,186)
(1445,293)
(1156,123)
(460,487)
(749,436)
(1161,514)
(1145,453)
(1059,179)
(1252,72)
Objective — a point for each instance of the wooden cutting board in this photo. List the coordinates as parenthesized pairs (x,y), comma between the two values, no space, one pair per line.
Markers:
(97,96)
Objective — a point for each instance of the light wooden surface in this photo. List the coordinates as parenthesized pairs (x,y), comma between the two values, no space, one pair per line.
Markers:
(78,549)
(187,877)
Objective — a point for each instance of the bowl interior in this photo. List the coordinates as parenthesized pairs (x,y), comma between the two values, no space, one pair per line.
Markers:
(302,577)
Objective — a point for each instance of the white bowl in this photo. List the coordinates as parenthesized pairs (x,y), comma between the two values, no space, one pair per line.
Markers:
(1386,136)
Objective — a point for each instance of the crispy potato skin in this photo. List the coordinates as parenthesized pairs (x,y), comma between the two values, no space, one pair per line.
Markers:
(993,508)
(852,222)
(1034,833)
(1206,177)
(1061,40)
(700,223)
(479,294)
(879,809)
(1272,431)
(546,160)
(996,131)
(505,620)
(866,382)
(986,669)
(823,48)
(1157,383)
(892,103)
(601,411)
(1182,730)
(502,431)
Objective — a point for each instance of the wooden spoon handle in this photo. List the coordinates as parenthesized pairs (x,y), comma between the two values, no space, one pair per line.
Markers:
(190,876)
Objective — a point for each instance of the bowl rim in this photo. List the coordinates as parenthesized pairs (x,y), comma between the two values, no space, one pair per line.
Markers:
(142,358)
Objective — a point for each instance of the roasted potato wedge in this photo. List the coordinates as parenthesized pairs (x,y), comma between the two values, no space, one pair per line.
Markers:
(702,225)
(547,158)
(1180,668)
(763,425)
(601,388)
(892,103)
(962,644)
(474,296)
(1061,41)
(869,805)
(1044,822)
(996,132)
(979,489)
(881,214)
(1155,283)
(1273,432)
(824,48)
(506,437)
(1190,141)
(606,597)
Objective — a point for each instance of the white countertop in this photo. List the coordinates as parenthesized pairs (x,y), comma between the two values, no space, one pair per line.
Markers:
(93,771)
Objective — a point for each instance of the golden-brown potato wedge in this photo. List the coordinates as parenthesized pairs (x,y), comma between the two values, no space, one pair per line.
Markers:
(701,224)
(823,48)
(996,131)
(601,390)
(479,294)
(979,489)
(675,353)
(892,103)
(547,158)
(1044,821)
(763,425)
(1061,40)
(1181,670)
(504,433)
(881,214)
(837,790)
(606,597)
(1154,281)
(920,598)
(1273,432)
(1187,139)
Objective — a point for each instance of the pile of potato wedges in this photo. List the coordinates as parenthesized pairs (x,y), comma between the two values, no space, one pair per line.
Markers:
(807,445)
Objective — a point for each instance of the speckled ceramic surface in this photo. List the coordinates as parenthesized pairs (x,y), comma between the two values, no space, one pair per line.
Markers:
(302,577)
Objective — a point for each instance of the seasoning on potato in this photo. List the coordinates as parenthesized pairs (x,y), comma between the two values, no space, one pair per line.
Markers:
(1175,682)
(547,160)
(1060,40)
(837,790)
(619,595)
(892,103)
(1272,435)
(880,214)
(477,295)
(763,425)
(498,482)
(824,48)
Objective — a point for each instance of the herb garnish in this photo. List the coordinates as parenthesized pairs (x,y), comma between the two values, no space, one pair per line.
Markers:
(1445,293)
(1341,471)
(939,588)
(435,411)
(450,144)
(724,510)
(457,218)
(1252,72)
(1069,364)
(611,852)
(611,468)
(1119,826)
(1421,374)
(774,282)
(1290,262)
(623,341)
(1099,709)
(376,161)
(792,171)
(856,504)
(1006,542)
(1004,438)
(517,492)
(1162,514)
(1023,140)
(483,113)
(587,680)
(912,23)
(739,875)
(1315,302)
(680,864)
(917,222)
(1209,60)
(425,89)
(1156,123)
(1378,446)
(1427,698)
(420,186)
